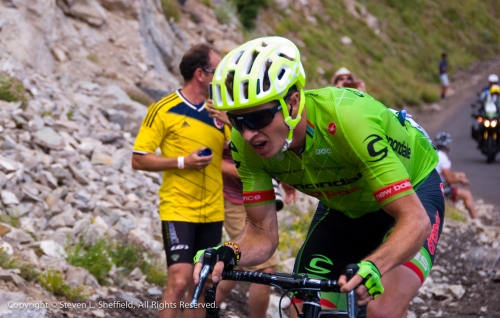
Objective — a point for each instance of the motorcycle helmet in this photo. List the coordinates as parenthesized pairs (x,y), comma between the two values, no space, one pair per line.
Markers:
(493,78)
(443,139)
(494,89)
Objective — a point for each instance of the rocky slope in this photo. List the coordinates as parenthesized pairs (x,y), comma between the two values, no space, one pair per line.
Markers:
(65,174)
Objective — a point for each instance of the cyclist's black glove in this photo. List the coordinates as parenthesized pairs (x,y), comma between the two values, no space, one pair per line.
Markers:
(220,253)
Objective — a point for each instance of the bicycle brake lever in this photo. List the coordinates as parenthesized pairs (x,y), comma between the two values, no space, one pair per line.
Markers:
(205,270)
(352,306)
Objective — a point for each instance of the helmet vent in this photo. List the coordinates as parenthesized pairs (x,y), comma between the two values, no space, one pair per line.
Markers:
(266,85)
(238,58)
(244,89)
(258,86)
(280,75)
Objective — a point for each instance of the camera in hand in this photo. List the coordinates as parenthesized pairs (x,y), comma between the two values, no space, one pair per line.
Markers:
(205,152)
(352,84)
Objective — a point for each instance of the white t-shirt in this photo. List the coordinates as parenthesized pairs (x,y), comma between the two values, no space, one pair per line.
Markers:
(444,163)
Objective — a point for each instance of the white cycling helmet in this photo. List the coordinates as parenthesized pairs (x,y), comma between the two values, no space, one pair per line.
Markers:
(493,78)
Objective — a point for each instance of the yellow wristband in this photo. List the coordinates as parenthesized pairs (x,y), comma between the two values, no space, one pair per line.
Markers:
(237,249)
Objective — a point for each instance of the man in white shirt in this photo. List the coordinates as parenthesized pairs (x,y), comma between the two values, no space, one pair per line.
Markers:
(450,178)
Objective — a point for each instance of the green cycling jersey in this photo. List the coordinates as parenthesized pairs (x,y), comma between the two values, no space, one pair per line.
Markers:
(358,155)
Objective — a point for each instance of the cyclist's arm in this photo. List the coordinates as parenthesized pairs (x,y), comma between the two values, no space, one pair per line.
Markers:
(259,238)
(411,230)
(257,241)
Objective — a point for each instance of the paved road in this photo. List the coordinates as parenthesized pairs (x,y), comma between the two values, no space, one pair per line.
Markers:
(464,155)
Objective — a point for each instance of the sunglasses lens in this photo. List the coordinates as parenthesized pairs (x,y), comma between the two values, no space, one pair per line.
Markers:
(253,121)
(262,120)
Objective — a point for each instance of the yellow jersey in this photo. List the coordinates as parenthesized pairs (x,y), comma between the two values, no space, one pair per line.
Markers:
(178,128)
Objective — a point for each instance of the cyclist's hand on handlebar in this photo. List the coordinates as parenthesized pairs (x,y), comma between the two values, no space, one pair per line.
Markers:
(213,278)
(222,257)
(368,279)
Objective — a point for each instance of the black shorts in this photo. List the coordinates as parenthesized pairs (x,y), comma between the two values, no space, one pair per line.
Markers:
(335,240)
(182,239)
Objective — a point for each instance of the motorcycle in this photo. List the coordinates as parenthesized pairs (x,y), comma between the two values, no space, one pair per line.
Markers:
(486,129)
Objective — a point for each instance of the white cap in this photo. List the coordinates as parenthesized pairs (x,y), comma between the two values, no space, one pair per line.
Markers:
(342,71)
(493,78)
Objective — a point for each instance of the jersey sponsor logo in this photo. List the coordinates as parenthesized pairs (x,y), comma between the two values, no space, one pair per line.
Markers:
(355,92)
(175,257)
(327,184)
(332,128)
(397,146)
(185,124)
(218,123)
(232,147)
(434,237)
(237,164)
(378,154)
(422,260)
(331,194)
(391,190)
(172,234)
(258,196)
(317,269)
(324,151)
(179,247)
(400,148)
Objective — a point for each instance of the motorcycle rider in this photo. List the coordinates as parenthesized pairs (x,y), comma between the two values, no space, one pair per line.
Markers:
(492,80)
(489,94)
(450,178)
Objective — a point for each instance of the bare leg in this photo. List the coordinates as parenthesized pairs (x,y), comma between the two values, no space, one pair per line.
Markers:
(401,285)
(466,195)
(223,290)
(258,299)
(180,278)
(193,313)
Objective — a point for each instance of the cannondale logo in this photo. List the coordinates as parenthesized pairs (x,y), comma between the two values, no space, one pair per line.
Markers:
(378,154)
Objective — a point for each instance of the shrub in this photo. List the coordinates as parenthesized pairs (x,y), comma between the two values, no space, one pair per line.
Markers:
(140,97)
(5,218)
(226,11)
(248,11)
(171,10)
(54,282)
(93,257)
(93,58)
(98,259)
(12,90)
(131,256)
(26,271)
(293,234)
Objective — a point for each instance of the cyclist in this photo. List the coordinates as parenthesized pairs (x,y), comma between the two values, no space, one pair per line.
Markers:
(381,204)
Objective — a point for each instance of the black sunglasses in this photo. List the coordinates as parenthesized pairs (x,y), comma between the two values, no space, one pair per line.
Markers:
(208,70)
(255,120)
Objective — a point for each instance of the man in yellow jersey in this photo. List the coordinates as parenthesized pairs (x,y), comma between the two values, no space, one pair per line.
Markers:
(191,199)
